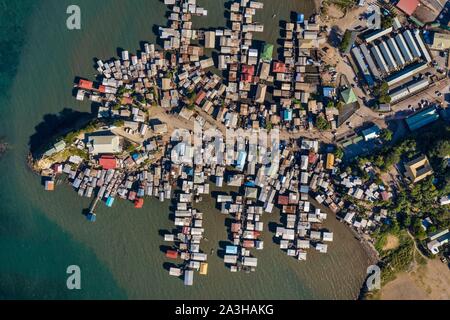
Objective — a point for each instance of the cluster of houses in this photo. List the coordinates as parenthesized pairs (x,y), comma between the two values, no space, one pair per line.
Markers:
(365,190)
(245,230)
(297,74)
(177,78)
(302,228)
(108,175)
(188,221)
(181,80)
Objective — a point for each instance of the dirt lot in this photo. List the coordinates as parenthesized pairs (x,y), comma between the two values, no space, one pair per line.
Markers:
(392,242)
(336,17)
(430,281)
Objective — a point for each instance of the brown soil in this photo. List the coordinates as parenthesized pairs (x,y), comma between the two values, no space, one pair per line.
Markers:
(334,12)
(425,282)
(392,242)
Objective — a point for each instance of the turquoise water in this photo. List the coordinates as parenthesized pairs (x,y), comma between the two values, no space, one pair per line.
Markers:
(120,255)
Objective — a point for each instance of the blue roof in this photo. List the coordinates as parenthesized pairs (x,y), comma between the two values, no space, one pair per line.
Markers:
(241,160)
(328,92)
(373,129)
(91,217)
(300,17)
(109,201)
(231,249)
(369,80)
(250,184)
(422,118)
(304,189)
(135,156)
(287,114)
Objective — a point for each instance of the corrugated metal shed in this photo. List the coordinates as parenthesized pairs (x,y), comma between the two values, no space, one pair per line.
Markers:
(388,55)
(405,73)
(424,50)
(362,65)
(396,95)
(377,34)
(379,59)
(396,51)
(403,47)
(418,85)
(370,61)
(411,43)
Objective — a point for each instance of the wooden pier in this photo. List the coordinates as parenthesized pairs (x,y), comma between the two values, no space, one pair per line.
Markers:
(94,205)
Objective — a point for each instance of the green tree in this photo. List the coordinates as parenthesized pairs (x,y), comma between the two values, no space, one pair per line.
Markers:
(322,124)
(386,135)
(386,21)
(345,43)
(339,153)
(381,92)
(441,149)
(384,99)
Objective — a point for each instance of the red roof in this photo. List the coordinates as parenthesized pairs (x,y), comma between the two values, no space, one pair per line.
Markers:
(247,77)
(108,162)
(101,88)
(235,227)
(312,157)
(186,230)
(139,203)
(200,97)
(283,200)
(385,195)
(85,84)
(57,167)
(248,243)
(408,6)
(172,254)
(279,67)
(248,69)
(132,195)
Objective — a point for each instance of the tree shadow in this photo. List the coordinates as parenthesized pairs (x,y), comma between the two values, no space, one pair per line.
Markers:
(56,125)
(335,36)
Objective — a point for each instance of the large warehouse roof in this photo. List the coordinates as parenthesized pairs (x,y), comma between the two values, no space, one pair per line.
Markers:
(408,6)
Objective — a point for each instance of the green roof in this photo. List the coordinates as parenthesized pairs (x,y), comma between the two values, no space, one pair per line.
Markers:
(348,96)
(417,21)
(267,52)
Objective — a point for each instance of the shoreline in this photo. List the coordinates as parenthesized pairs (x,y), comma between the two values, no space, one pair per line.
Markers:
(371,253)
(368,248)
